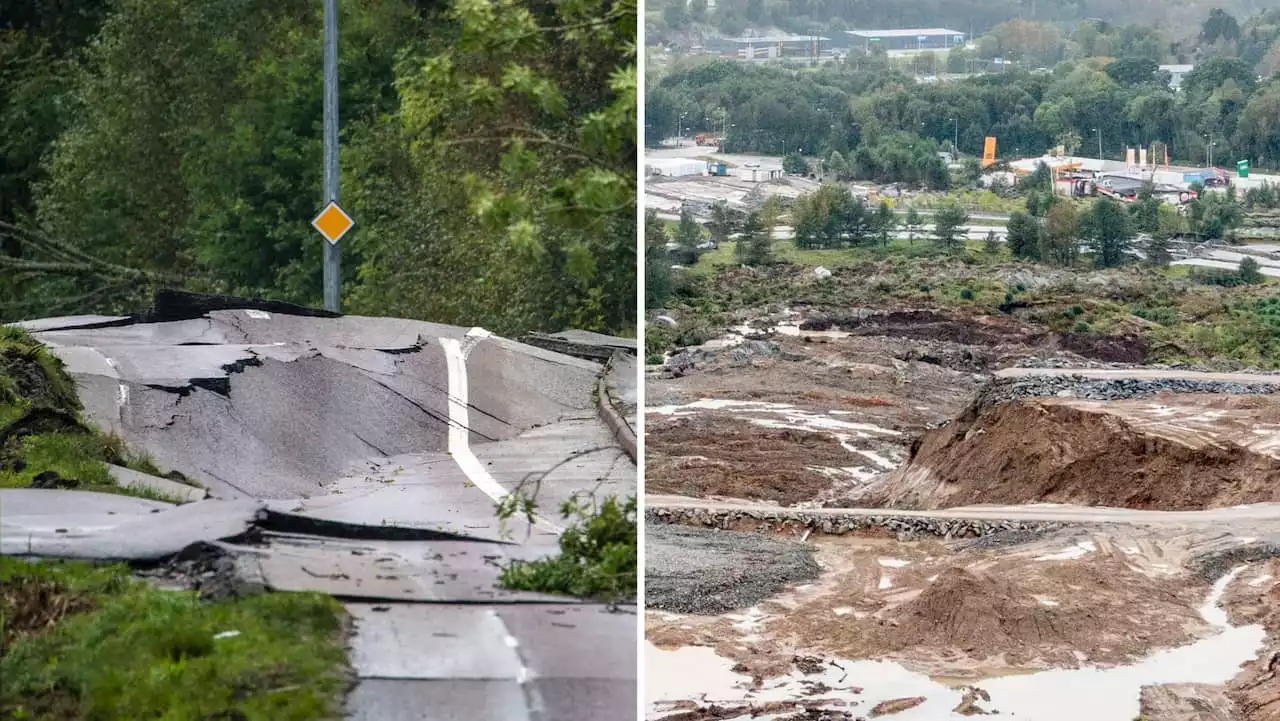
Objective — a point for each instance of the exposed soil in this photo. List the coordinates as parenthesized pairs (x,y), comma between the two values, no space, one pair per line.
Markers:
(1064,451)
(1255,598)
(739,459)
(960,614)
(719,453)
(1185,702)
(1100,596)
(30,605)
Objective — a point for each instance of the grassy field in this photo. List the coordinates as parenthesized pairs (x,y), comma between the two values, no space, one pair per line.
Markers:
(85,643)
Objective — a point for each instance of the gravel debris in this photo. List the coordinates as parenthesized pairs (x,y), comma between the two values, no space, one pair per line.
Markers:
(1006,390)
(709,572)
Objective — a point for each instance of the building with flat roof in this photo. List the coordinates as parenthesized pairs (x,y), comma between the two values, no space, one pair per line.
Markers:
(918,39)
(778,47)
(1176,74)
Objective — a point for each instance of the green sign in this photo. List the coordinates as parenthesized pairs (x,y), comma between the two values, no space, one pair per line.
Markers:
(1242,168)
(875,40)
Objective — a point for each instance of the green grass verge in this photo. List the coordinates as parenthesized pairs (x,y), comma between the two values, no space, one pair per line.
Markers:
(42,430)
(88,643)
(598,551)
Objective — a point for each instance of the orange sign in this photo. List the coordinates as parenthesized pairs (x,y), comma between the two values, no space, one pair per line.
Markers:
(989,153)
(333,223)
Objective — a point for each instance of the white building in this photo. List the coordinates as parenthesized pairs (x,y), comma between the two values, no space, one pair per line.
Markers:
(675,167)
(1177,74)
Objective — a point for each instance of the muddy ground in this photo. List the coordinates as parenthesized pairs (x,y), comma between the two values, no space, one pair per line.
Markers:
(879,411)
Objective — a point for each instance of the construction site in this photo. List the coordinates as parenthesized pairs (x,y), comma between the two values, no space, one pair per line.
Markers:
(893,510)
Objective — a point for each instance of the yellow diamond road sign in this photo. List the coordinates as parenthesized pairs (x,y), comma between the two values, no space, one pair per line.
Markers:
(333,223)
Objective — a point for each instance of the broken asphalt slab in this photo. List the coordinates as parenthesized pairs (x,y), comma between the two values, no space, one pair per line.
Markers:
(168,489)
(368,456)
(94,526)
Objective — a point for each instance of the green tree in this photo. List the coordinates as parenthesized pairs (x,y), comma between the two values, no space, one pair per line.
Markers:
(1220,25)
(770,213)
(795,164)
(1156,250)
(722,223)
(1107,229)
(1214,216)
(947,222)
(191,152)
(1145,210)
(657,262)
(883,222)
(688,237)
(1249,271)
(1024,236)
(837,166)
(1133,70)
(756,246)
(912,222)
(698,11)
(991,246)
(1060,240)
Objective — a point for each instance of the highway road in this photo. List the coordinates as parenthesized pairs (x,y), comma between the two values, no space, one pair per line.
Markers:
(370,455)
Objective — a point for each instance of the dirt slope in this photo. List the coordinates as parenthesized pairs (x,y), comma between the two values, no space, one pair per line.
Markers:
(1184,453)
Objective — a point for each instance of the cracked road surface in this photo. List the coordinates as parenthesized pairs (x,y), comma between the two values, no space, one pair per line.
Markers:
(370,453)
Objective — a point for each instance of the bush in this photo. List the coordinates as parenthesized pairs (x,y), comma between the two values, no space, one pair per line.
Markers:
(1249,271)
(598,552)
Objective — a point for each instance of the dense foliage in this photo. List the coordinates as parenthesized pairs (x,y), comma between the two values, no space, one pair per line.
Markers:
(1103,92)
(668,18)
(487,147)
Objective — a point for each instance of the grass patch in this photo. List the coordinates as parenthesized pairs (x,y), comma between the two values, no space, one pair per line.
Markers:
(598,551)
(785,251)
(44,441)
(1178,316)
(84,642)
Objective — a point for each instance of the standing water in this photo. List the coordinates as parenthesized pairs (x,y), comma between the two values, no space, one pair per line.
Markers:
(1098,694)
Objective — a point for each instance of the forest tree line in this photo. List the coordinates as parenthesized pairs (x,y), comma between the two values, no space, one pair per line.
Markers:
(887,126)
(488,156)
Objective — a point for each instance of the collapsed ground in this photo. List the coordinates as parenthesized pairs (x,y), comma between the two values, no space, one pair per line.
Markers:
(923,388)
(218,574)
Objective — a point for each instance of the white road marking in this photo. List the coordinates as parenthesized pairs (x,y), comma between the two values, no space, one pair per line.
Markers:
(460,429)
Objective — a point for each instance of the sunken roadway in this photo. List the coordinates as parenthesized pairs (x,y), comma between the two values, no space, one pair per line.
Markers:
(364,458)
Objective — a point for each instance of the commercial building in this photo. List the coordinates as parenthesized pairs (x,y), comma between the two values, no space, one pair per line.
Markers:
(909,40)
(781,47)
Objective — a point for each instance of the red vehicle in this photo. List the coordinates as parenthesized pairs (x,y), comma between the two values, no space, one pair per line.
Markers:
(706,139)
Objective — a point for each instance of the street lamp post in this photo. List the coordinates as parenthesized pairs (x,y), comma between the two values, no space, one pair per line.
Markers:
(955,139)
(332,257)
(1099,131)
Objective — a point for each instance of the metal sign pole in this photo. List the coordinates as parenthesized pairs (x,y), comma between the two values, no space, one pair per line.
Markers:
(332,256)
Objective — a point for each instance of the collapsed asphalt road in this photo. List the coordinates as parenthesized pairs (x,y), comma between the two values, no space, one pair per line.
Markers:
(363,458)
